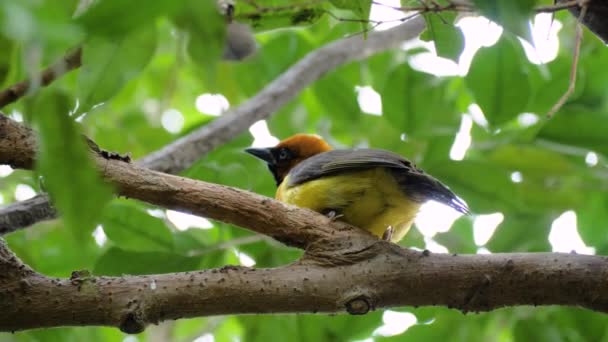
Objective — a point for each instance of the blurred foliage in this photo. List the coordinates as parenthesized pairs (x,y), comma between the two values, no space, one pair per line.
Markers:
(145,59)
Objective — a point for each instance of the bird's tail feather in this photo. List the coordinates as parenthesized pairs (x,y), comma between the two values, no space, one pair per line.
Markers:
(422,187)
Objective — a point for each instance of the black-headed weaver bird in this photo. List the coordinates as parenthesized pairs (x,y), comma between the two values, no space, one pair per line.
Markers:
(374,189)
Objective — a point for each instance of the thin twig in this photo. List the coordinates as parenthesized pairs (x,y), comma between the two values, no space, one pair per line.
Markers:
(573,71)
(557,7)
(69,62)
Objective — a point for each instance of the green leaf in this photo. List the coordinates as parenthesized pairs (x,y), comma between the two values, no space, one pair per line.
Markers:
(578,126)
(118,17)
(459,239)
(286,14)
(417,103)
(131,228)
(342,104)
(117,262)
(513,15)
(7,46)
(361,8)
(43,22)
(448,39)
(55,251)
(206,28)
(109,63)
(259,328)
(531,160)
(446,325)
(498,81)
(487,188)
(589,221)
(549,82)
(65,163)
(523,232)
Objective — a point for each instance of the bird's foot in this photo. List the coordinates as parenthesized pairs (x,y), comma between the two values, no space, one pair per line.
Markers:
(332,214)
(388,234)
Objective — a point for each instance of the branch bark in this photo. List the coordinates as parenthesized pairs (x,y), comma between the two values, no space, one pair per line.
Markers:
(288,224)
(343,269)
(25,213)
(182,153)
(373,275)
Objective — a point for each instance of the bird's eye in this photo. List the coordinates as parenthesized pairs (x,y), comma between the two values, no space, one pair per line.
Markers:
(283,154)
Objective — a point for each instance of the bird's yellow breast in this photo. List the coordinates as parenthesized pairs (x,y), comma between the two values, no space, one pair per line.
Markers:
(369,199)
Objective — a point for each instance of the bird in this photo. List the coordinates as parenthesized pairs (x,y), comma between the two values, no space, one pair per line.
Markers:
(373,189)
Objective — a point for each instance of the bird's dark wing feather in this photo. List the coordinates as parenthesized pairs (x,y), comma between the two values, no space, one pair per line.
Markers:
(418,185)
(338,161)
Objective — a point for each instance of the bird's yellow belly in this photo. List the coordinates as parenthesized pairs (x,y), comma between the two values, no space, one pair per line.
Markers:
(369,199)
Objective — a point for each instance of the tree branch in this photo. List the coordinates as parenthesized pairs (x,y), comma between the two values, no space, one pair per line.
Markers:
(25,213)
(69,62)
(343,269)
(288,224)
(182,153)
(375,275)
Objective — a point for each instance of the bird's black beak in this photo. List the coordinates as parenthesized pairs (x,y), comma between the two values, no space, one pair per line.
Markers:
(263,153)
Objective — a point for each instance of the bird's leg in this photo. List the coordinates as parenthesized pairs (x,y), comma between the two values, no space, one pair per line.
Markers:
(332,214)
(388,234)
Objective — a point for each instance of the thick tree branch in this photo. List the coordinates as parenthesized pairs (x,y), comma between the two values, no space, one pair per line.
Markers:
(69,62)
(375,275)
(25,213)
(180,154)
(226,204)
(343,268)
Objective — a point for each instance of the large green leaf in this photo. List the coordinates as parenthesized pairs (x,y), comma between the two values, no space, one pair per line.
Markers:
(54,250)
(116,261)
(117,17)
(448,39)
(498,81)
(523,232)
(417,103)
(279,13)
(310,327)
(360,8)
(40,21)
(578,126)
(531,160)
(131,228)
(459,239)
(336,95)
(109,63)
(449,325)
(65,162)
(514,15)
(7,46)
(206,28)
(487,187)
(590,221)
(549,82)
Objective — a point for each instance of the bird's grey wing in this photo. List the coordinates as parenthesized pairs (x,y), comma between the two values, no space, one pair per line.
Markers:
(418,185)
(347,160)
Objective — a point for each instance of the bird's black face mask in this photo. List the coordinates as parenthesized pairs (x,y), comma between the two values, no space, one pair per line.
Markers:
(278,159)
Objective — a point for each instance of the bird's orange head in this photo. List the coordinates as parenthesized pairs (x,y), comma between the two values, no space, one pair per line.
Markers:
(289,153)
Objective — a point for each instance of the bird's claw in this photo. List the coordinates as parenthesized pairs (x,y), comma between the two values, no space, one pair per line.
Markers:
(388,234)
(333,215)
